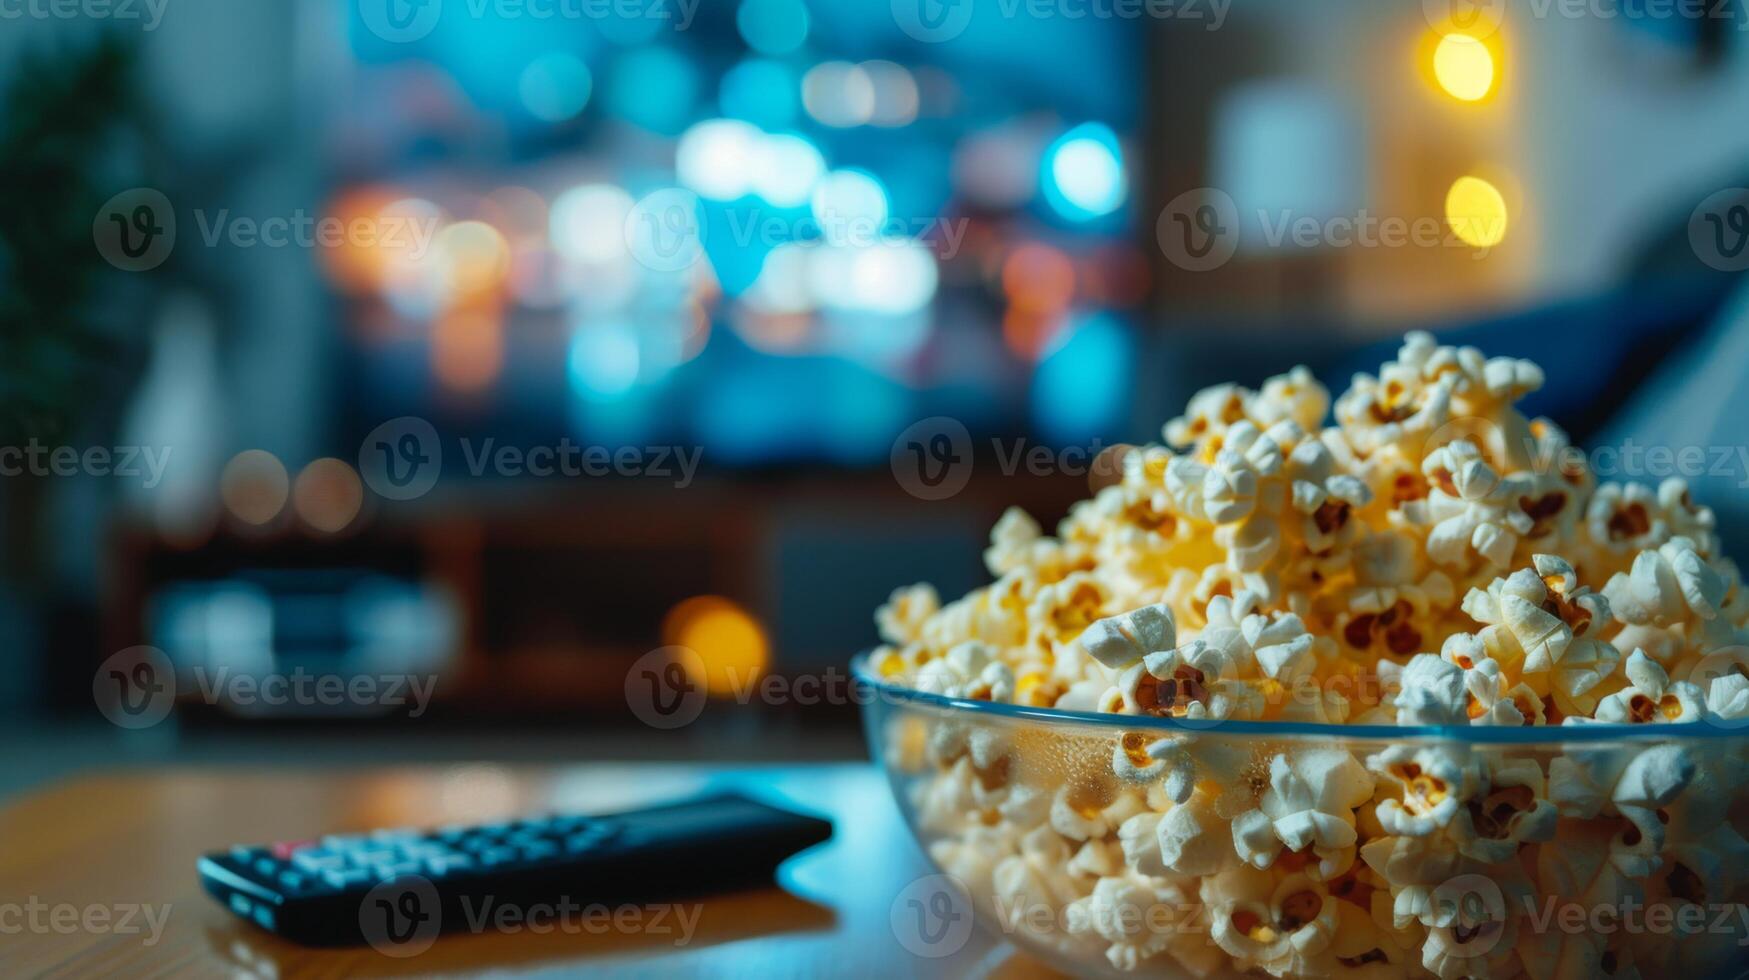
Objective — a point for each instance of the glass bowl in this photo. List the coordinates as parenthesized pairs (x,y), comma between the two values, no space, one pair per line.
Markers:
(1123,845)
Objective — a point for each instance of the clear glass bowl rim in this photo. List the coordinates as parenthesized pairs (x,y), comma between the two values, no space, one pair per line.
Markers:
(1553,735)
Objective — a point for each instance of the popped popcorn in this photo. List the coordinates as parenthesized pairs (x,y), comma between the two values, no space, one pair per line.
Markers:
(1471,509)
(1433,559)
(1117,911)
(901,619)
(1310,806)
(1651,696)
(1543,628)
(1120,641)
(1281,923)
(1670,584)
(1426,788)
(1410,397)
(1194,839)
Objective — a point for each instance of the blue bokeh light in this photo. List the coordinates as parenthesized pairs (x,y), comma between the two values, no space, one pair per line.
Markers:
(763,92)
(555,86)
(1083,176)
(653,87)
(773,27)
(1081,388)
(603,361)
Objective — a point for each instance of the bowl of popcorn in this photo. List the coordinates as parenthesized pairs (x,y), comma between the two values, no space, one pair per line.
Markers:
(1408,695)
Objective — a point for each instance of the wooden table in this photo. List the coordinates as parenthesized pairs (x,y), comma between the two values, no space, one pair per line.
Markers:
(104,845)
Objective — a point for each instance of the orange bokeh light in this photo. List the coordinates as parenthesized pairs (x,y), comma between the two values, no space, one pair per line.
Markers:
(729,641)
(254,486)
(327,495)
(1038,279)
(467,349)
(474,257)
(352,266)
(520,211)
(1028,333)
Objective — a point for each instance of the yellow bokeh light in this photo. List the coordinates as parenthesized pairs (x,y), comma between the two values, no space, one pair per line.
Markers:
(475,257)
(1463,66)
(1476,212)
(728,640)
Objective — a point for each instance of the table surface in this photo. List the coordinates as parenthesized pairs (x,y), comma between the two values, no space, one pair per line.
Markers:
(129,842)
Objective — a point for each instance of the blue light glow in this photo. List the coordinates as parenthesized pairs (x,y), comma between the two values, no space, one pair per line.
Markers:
(654,88)
(1080,389)
(773,26)
(892,276)
(862,411)
(764,409)
(788,168)
(1083,173)
(586,223)
(603,361)
(764,93)
(850,207)
(633,26)
(555,86)
(735,257)
(718,158)
(750,413)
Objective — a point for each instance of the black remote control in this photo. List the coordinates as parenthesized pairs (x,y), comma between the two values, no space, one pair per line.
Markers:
(386,886)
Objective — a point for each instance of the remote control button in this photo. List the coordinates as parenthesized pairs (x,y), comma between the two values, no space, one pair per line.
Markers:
(495,856)
(375,856)
(539,850)
(590,838)
(311,886)
(344,842)
(384,872)
(317,860)
(438,867)
(345,878)
(285,849)
(267,867)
